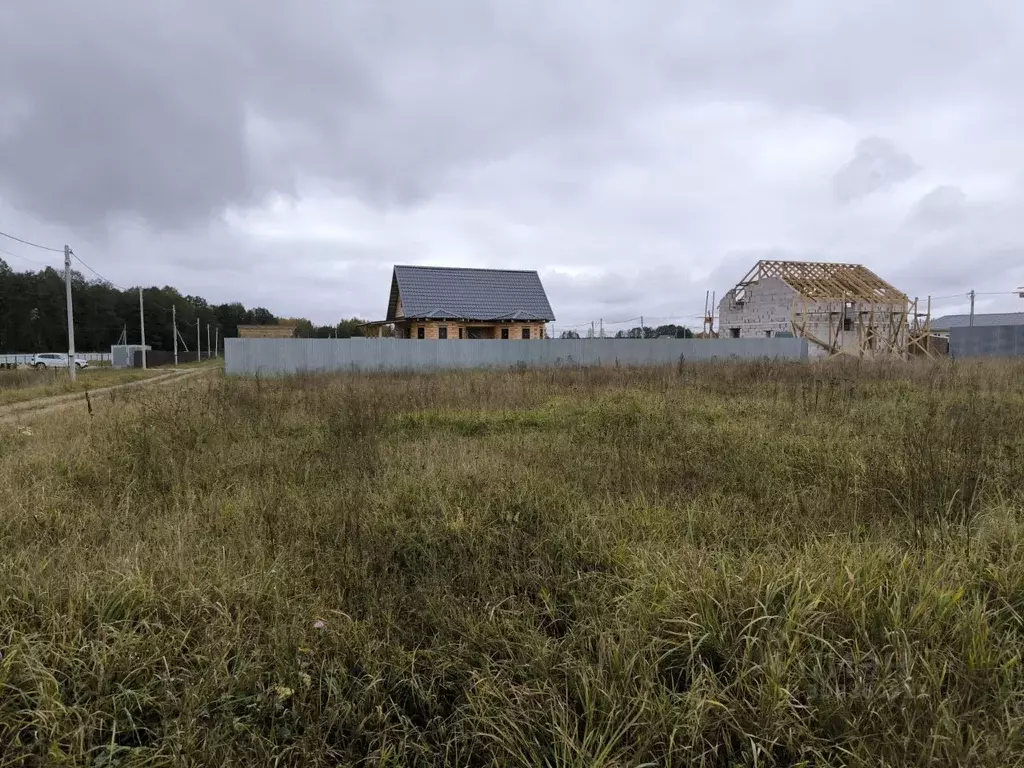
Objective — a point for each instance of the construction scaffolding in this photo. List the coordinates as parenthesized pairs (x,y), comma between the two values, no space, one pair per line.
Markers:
(834,301)
(709,315)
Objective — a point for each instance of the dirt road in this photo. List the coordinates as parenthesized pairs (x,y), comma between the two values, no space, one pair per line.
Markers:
(30,409)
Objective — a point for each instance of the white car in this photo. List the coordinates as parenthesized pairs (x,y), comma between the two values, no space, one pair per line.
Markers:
(56,360)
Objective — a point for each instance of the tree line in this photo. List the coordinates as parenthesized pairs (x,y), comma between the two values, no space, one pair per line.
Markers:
(33,315)
(640,332)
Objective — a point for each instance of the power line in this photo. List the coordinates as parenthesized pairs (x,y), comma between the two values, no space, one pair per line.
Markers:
(34,245)
(101,277)
(158,305)
(115,285)
(967,295)
(26,258)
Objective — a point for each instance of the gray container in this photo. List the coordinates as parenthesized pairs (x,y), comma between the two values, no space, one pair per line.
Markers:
(122,355)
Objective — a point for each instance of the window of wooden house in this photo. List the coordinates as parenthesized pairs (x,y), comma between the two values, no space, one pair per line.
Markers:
(504,333)
(460,333)
(421,332)
(526,333)
(442,332)
(734,332)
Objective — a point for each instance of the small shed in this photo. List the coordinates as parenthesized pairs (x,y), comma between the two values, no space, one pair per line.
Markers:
(123,355)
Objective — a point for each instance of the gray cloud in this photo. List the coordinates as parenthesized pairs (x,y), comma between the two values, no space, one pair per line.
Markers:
(141,110)
(636,155)
(957,243)
(877,164)
(943,208)
(172,113)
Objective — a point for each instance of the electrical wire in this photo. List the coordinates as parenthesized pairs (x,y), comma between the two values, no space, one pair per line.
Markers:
(115,285)
(26,258)
(101,277)
(34,245)
(967,295)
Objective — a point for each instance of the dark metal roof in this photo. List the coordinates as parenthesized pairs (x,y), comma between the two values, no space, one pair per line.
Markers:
(962,321)
(469,294)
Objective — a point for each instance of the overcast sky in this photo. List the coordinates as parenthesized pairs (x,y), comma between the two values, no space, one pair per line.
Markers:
(636,154)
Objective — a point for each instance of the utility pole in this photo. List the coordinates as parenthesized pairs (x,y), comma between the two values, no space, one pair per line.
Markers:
(142,326)
(208,355)
(72,368)
(216,340)
(643,331)
(199,345)
(972,308)
(174,323)
(602,327)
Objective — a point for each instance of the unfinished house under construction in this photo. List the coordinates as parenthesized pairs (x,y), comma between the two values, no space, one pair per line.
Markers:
(839,308)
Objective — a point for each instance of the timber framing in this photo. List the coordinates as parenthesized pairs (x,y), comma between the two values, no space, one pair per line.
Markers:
(821,280)
(834,299)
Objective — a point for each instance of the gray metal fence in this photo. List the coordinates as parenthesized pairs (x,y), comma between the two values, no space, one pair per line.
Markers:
(987,341)
(276,357)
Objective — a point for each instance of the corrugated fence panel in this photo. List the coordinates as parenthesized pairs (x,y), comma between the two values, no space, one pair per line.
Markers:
(281,357)
(987,341)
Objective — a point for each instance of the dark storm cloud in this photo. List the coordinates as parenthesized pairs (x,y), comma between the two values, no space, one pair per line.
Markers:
(142,109)
(638,154)
(170,112)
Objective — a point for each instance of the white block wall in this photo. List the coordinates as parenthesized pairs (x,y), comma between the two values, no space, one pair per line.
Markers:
(768,306)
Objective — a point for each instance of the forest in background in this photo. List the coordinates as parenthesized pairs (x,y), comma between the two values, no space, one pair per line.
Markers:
(33,316)
(33,319)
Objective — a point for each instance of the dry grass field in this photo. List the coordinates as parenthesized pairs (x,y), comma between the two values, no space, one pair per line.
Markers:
(26,384)
(717,565)
(23,385)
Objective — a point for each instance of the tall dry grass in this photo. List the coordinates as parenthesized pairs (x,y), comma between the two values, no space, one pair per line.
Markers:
(700,565)
(22,385)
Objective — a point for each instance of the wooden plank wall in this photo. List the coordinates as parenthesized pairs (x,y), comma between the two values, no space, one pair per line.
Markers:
(266,331)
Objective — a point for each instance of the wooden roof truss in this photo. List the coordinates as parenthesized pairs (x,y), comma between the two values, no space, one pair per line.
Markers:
(824,281)
(884,320)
